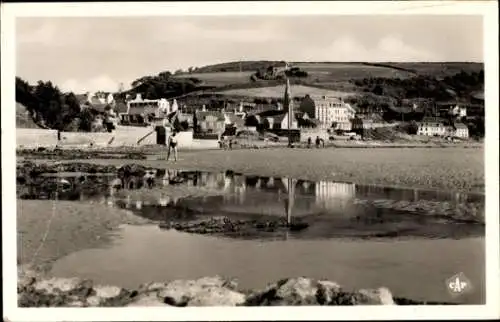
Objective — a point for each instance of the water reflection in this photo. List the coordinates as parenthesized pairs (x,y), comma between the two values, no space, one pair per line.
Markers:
(237,193)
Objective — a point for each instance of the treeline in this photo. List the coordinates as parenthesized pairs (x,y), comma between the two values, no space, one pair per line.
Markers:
(164,85)
(460,85)
(51,108)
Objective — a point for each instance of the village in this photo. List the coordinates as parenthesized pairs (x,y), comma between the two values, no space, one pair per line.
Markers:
(248,161)
(298,119)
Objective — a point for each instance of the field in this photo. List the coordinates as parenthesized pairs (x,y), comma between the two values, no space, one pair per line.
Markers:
(334,72)
(220,79)
(278,91)
(330,75)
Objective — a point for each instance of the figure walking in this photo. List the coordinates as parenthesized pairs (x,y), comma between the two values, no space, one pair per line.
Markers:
(172,146)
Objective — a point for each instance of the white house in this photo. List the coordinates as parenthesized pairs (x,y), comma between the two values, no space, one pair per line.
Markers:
(461,130)
(432,128)
(141,110)
(328,110)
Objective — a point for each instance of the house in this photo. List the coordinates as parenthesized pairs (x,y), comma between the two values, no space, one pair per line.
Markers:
(234,119)
(458,111)
(461,130)
(209,121)
(432,127)
(279,121)
(145,111)
(329,111)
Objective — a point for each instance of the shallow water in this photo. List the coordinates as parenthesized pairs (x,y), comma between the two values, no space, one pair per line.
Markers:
(409,240)
(417,268)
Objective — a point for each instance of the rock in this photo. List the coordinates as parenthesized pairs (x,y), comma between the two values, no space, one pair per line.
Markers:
(291,291)
(326,291)
(150,299)
(217,296)
(77,303)
(93,301)
(381,296)
(151,287)
(108,292)
(200,292)
(55,285)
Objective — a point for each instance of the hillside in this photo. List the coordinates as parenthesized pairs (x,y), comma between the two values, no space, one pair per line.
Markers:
(24,119)
(423,78)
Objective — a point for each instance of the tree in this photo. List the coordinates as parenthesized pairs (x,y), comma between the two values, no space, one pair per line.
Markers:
(413,128)
(251,120)
(86,119)
(165,75)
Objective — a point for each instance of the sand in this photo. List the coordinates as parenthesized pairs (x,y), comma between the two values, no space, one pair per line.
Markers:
(457,169)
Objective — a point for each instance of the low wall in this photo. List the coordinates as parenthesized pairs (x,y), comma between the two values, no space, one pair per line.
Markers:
(32,138)
(122,136)
(313,133)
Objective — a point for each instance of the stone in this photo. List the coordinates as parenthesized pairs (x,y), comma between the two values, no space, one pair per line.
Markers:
(381,296)
(107,292)
(151,287)
(77,303)
(24,282)
(297,291)
(290,291)
(150,299)
(93,301)
(54,285)
(185,292)
(217,296)
(326,291)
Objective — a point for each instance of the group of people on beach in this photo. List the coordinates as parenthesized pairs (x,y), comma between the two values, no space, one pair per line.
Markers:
(319,142)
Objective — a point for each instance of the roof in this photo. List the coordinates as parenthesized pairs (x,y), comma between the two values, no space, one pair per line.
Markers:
(235,119)
(99,107)
(279,117)
(201,115)
(460,126)
(433,120)
(272,112)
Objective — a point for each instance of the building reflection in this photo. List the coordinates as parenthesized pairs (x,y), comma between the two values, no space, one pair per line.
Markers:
(331,195)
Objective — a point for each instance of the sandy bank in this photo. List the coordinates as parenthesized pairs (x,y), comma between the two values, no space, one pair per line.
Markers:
(455,169)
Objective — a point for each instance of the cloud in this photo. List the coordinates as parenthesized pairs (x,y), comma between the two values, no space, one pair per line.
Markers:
(389,48)
(100,83)
(33,33)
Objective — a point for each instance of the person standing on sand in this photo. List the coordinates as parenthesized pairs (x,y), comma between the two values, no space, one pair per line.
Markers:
(172,146)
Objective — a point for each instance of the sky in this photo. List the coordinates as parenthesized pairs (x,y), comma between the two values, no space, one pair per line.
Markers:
(82,54)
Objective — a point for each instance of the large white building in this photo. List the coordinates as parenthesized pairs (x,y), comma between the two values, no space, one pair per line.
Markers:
(329,111)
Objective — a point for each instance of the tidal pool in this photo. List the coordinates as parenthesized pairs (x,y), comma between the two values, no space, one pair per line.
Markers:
(409,240)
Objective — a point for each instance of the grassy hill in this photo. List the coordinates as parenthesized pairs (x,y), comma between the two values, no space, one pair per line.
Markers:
(234,77)
(277,91)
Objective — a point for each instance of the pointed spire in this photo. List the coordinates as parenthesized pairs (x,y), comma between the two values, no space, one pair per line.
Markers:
(175,107)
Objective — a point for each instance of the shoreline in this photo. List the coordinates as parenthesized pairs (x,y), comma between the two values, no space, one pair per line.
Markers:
(463,170)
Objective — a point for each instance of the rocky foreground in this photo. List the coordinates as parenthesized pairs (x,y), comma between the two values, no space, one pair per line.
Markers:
(38,291)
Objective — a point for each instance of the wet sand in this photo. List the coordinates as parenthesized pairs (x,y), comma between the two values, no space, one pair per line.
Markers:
(457,169)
